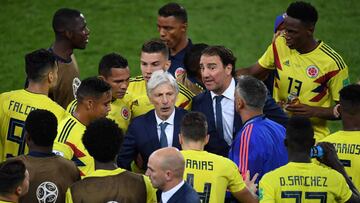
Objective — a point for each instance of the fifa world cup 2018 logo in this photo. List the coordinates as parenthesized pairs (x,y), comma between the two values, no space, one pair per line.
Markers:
(47,192)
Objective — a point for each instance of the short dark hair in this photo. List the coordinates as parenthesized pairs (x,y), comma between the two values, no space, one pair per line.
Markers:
(38,63)
(12,174)
(102,139)
(194,126)
(64,18)
(192,59)
(252,90)
(92,87)
(109,61)
(303,11)
(41,125)
(155,46)
(173,9)
(350,99)
(299,133)
(226,55)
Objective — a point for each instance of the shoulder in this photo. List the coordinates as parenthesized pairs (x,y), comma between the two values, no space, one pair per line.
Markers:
(143,119)
(185,91)
(202,98)
(189,193)
(332,56)
(180,111)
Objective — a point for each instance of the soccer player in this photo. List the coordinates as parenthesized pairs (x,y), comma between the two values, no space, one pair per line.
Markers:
(154,56)
(102,139)
(172,26)
(306,68)
(257,130)
(14,181)
(191,77)
(209,174)
(71,32)
(303,181)
(347,141)
(94,97)
(114,70)
(44,166)
(15,106)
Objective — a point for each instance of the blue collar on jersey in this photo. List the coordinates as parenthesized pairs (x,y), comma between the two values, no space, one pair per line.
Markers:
(41,154)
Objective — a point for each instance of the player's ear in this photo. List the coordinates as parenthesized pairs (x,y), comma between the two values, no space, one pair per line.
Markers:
(181,141)
(167,65)
(207,137)
(101,77)
(184,27)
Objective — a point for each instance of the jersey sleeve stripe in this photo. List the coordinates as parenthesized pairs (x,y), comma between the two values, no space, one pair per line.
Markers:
(338,60)
(73,106)
(244,149)
(65,131)
(184,91)
(335,54)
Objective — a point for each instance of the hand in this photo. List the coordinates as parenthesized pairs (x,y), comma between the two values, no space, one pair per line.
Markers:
(250,184)
(301,110)
(330,157)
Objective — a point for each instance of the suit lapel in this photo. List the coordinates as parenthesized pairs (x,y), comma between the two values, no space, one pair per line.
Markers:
(151,130)
(177,121)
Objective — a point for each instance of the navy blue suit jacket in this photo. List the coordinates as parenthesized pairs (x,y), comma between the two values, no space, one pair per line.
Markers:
(203,103)
(142,137)
(186,194)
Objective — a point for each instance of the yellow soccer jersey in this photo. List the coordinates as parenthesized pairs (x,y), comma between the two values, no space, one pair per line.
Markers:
(316,77)
(15,106)
(68,144)
(120,112)
(303,182)
(347,145)
(210,175)
(140,103)
(150,191)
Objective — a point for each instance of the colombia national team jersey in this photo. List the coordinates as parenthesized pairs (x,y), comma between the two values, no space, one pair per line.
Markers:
(347,145)
(68,144)
(303,182)
(120,112)
(315,77)
(210,175)
(15,106)
(140,103)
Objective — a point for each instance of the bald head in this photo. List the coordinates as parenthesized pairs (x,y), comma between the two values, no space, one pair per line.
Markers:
(171,159)
(166,168)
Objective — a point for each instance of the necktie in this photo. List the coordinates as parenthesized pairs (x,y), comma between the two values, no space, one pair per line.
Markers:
(163,138)
(219,120)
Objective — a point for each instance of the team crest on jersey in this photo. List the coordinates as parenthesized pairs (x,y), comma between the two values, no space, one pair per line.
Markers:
(179,71)
(47,192)
(125,113)
(312,71)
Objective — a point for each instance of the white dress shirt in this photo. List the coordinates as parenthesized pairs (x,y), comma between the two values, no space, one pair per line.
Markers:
(169,130)
(227,107)
(165,196)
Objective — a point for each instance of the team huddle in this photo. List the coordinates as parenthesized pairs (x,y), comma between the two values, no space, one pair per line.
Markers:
(191,128)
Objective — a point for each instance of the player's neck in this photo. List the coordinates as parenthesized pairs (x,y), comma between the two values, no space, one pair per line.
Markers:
(105,166)
(183,43)
(38,88)
(62,48)
(350,123)
(247,114)
(44,150)
(309,46)
(299,157)
(81,116)
(9,198)
(197,146)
